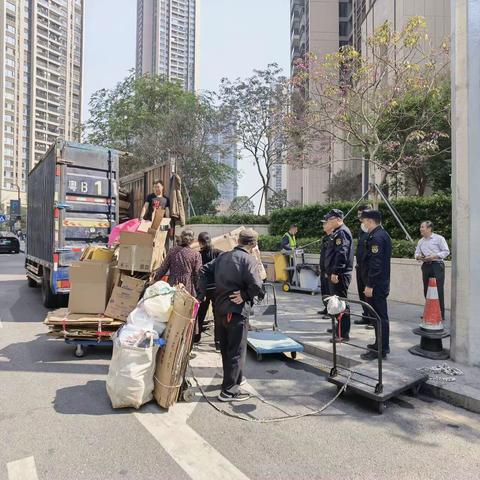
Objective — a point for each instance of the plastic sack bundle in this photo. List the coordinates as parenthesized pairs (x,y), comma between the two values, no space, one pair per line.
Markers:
(335,305)
(140,319)
(158,300)
(130,376)
(128,226)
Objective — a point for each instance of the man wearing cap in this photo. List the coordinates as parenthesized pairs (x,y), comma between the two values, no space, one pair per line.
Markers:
(339,264)
(360,255)
(237,282)
(375,271)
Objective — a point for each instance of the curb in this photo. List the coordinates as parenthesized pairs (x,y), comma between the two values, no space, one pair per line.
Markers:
(465,397)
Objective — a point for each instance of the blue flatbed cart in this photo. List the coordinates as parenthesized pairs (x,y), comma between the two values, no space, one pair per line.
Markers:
(265,341)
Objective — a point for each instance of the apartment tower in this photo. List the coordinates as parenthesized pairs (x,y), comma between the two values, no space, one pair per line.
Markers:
(167,37)
(41,84)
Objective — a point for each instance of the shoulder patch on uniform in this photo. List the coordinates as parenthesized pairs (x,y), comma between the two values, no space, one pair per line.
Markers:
(374,248)
(338,241)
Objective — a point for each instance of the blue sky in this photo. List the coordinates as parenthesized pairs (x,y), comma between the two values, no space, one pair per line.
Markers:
(236,36)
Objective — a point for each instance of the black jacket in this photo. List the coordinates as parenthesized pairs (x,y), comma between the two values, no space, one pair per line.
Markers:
(361,246)
(375,269)
(323,251)
(339,253)
(232,271)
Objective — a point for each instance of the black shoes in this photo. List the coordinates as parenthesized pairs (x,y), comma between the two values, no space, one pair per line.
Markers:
(323,312)
(372,355)
(361,322)
(373,346)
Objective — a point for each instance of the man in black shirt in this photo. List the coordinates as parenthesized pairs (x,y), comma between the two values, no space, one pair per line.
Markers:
(154,201)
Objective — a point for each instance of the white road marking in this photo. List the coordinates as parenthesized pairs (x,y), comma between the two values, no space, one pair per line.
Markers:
(191,451)
(23,469)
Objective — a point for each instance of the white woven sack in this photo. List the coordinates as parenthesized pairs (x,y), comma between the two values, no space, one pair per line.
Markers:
(130,376)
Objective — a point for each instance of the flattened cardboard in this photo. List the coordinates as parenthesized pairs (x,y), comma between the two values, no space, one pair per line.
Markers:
(125,296)
(90,286)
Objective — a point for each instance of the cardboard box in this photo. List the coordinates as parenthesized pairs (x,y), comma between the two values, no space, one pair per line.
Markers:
(90,286)
(125,296)
(142,252)
(155,223)
(98,254)
(225,242)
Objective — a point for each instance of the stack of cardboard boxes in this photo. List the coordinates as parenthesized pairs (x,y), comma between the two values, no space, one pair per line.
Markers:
(106,284)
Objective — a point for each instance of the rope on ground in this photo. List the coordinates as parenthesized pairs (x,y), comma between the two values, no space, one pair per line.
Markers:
(271,419)
(436,372)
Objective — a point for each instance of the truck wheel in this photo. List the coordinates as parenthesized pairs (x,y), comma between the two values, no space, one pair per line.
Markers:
(31,282)
(48,298)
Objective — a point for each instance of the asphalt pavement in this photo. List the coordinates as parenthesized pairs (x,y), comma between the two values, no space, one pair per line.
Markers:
(56,421)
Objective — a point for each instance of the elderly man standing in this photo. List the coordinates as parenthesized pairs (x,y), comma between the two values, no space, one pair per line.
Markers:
(432,249)
(339,263)
(237,283)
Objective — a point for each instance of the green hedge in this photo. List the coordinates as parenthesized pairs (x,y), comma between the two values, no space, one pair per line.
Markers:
(413,210)
(270,243)
(240,219)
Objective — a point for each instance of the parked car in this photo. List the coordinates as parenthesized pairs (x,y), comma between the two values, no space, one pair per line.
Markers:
(9,243)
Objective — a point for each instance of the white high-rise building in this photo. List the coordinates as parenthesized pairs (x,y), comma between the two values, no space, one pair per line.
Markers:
(41,93)
(167,37)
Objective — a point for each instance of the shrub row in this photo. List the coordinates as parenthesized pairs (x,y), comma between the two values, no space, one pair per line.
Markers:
(412,210)
(271,243)
(240,219)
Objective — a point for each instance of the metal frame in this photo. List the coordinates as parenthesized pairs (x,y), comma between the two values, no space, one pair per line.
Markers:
(377,319)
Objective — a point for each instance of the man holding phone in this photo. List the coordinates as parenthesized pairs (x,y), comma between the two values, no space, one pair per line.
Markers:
(431,250)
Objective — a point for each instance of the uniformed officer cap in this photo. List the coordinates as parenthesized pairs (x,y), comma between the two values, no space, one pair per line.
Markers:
(372,214)
(333,213)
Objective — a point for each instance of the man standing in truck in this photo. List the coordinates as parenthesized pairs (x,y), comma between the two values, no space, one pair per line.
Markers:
(154,201)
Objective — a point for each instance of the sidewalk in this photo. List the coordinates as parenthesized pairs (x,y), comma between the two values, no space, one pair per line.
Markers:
(297,316)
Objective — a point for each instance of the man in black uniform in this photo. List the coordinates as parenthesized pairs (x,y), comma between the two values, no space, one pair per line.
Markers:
(359,255)
(323,274)
(237,283)
(376,278)
(339,264)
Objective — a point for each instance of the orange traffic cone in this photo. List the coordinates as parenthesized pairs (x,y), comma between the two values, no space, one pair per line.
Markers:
(432,315)
(431,329)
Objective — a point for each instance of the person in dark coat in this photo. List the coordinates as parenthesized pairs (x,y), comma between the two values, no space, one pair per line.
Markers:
(323,274)
(182,263)
(237,283)
(376,278)
(359,256)
(208,254)
(339,264)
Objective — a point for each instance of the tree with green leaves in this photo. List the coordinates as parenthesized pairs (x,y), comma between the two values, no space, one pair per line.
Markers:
(257,107)
(350,93)
(424,154)
(157,121)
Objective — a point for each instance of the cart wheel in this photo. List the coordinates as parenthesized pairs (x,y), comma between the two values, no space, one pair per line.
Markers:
(286,287)
(380,407)
(259,357)
(294,355)
(79,351)
(188,395)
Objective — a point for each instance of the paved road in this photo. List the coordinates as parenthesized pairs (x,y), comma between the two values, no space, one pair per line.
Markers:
(56,421)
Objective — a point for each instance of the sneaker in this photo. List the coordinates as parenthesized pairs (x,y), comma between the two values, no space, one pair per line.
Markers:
(244,381)
(372,355)
(233,397)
